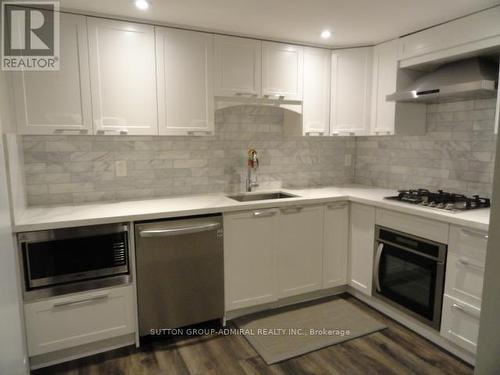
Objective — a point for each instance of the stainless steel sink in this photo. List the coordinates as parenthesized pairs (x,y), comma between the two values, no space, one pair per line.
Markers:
(261,196)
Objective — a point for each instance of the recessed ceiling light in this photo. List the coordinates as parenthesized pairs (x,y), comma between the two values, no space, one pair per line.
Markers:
(325,34)
(142,4)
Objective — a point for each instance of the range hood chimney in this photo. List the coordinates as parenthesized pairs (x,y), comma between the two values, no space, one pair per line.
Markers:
(465,79)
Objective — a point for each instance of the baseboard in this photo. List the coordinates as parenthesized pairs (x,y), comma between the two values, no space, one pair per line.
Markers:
(60,356)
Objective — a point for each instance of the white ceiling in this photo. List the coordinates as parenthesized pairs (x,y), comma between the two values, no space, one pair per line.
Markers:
(353,22)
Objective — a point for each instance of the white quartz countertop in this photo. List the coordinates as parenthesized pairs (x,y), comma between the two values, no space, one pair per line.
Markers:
(40,218)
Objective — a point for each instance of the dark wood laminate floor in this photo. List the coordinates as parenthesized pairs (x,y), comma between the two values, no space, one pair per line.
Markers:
(393,351)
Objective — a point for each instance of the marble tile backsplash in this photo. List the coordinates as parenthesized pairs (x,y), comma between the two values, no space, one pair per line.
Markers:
(456,154)
(79,169)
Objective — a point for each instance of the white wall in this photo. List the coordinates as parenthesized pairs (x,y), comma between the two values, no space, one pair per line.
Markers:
(488,351)
(12,347)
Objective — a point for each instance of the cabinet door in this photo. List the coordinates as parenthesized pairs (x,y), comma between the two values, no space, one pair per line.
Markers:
(185,82)
(460,323)
(250,258)
(336,243)
(123,77)
(385,71)
(282,70)
(58,101)
(238,64)
(300,250)
(351,91)
(465,264)
(83,318)
(316,100)
(362,247)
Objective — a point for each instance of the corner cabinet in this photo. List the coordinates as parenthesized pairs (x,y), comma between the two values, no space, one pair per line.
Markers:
(385,72)
(300,250)
(316,99)
(250,258)
(335,244)
(185,82)
(362,239)
(282,70)
(123,77)
(57,102)
(238,64)
(351,91)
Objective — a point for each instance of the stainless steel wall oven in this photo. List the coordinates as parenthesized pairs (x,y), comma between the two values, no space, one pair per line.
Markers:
(67,260)
(409,273)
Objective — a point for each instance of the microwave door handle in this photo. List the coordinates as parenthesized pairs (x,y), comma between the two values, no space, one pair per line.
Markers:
(167,232)
(378,255)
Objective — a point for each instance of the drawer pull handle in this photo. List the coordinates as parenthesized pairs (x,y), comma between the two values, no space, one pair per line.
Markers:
(458,307)
(471,233)
(81,301)
(336,206)
(264,213)
(311,133)
(292,209)
(466,262)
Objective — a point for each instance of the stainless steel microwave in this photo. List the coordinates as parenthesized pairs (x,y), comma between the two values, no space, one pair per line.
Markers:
(67,260)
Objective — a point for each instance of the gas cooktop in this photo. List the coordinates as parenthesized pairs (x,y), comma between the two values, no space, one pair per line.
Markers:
(441,200)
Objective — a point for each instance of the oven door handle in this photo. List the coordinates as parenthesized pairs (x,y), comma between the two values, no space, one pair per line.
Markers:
(378,255)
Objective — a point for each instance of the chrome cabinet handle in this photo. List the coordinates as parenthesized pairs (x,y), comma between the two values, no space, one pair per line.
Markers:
(121,131)
(294,209)
(338,132)
(251,94)
(318,133)
(386,132)
(78,131)
(178,231)
(264,213)
(472,233)
(466,262)
(461,308)
(73,302)
(277,96)
(193,132)
(336,206)
(378,255)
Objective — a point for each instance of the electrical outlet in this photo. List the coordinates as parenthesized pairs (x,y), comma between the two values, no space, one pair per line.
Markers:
(348,160)
(121,168)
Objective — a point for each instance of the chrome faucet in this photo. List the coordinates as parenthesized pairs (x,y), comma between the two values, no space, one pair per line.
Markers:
(253,164)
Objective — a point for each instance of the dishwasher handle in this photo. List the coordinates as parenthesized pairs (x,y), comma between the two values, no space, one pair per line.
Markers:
(168,232)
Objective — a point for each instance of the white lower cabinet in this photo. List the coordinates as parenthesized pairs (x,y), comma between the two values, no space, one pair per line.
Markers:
(250,258)
(460,323)
(69,321)
(362,235)
(300,250)
(335,244)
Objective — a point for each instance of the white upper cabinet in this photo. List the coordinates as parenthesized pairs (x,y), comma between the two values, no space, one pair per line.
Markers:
(282,70)
(385,73)
(464,36)
(351,91)
(316,100)
(185,82)
(57,101)
(123,77)
(238,64)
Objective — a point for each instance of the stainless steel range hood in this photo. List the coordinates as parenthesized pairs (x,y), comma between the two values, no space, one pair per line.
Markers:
(465,79)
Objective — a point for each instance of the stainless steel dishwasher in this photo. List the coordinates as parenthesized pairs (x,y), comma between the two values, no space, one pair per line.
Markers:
(180,272)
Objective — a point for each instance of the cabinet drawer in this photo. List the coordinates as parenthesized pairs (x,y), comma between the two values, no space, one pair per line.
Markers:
(465,264)
(460,323)
(69,321)
(425,228)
